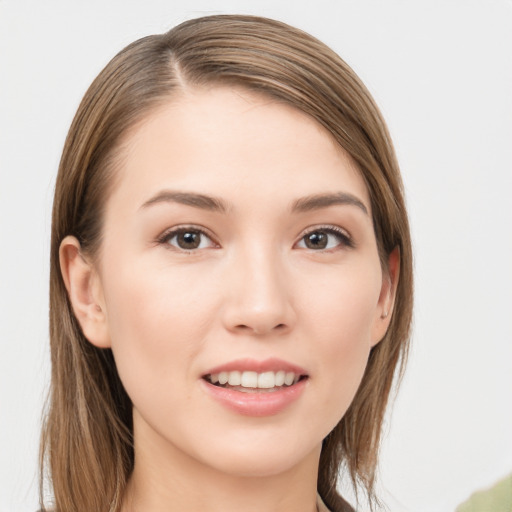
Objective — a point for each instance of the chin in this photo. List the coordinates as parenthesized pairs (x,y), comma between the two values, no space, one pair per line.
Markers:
(261,459)
(260,466)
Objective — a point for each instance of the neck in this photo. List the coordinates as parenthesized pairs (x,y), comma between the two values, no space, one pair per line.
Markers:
(165,479)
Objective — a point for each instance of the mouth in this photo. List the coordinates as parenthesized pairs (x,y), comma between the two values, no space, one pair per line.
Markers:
(255,382)
(256,388)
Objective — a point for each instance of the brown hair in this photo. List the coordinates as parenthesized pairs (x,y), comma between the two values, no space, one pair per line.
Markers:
(87,435)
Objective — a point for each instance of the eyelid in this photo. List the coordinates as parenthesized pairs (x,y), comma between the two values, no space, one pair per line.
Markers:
(169,233)
(345,237)
(342,234)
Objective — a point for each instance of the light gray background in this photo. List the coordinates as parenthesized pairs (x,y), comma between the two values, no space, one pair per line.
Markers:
(441,72)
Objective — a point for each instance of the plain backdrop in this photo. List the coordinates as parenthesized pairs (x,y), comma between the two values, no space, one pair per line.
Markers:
(441,72)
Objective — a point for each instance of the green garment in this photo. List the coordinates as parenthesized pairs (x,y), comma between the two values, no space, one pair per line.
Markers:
(496,499)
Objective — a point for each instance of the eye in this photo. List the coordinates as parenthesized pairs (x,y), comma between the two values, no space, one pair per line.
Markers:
(187,239)
(325,238)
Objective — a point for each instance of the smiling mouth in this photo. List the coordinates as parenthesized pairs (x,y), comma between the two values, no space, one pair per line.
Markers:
(254,382)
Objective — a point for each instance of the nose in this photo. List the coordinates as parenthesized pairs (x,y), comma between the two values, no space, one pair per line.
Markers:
(259,295)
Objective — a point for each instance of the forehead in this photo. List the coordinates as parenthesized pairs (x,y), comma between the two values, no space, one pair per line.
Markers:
(217,140)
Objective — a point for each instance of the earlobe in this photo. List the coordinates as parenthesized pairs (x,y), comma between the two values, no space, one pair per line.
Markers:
(387,297)
(84,291)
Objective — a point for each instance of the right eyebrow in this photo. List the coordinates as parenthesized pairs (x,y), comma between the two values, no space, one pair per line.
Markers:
(201,201)
(319,201)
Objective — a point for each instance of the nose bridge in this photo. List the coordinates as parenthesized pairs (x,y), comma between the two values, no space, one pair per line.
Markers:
(259,296)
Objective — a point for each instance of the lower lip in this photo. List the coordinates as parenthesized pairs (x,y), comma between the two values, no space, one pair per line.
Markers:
(256,403)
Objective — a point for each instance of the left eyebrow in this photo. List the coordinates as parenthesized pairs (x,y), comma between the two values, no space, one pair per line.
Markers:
(318,201)
(189,199)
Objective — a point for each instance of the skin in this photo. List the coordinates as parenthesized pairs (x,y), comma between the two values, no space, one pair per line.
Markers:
(252,289)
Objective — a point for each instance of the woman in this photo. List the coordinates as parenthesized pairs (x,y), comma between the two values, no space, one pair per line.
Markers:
(231,277)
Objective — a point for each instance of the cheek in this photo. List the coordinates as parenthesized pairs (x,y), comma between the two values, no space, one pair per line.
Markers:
(341,322)
(157,324)
(344,306)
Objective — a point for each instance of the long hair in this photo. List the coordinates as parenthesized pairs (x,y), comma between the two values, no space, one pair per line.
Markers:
(86,447)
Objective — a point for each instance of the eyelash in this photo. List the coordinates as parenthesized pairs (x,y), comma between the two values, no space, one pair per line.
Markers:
(168,235)
(343,238)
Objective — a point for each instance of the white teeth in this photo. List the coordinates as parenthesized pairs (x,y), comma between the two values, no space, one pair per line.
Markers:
(235,378)
(249,380)
(288,378)
(280,377)
(264,380)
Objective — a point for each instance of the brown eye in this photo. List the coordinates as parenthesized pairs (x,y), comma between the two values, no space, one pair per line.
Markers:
(316,240)
(187,239)
(325,239)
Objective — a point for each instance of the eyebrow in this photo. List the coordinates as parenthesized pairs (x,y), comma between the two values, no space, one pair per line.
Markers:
(318,201)
(303,204)
(189,199)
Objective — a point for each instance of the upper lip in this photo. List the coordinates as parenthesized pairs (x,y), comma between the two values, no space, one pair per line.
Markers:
(252,365)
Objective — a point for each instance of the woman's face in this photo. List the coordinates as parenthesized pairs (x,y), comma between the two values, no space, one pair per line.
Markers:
(238,244)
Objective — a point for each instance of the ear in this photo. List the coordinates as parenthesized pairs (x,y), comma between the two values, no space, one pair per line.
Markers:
(387,296)
(85,292)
